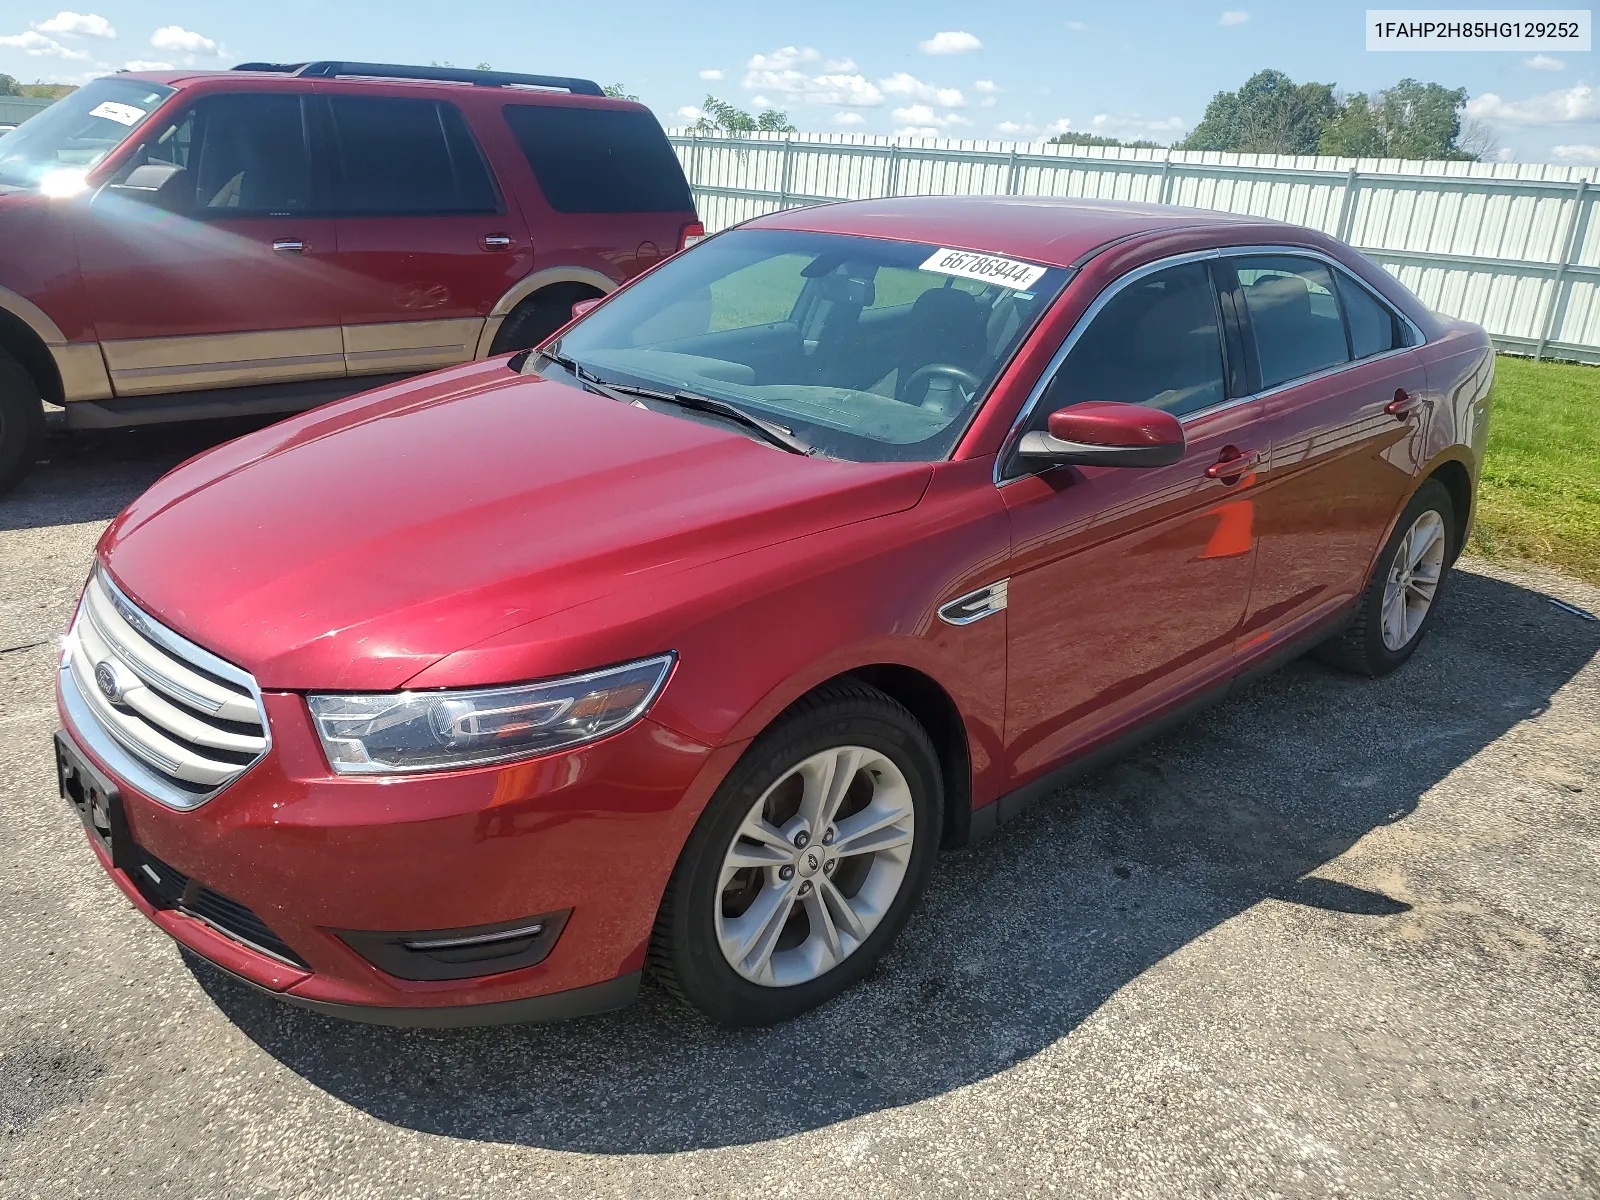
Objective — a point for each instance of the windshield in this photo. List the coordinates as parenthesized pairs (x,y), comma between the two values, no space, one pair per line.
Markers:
(56,148)
(866,349)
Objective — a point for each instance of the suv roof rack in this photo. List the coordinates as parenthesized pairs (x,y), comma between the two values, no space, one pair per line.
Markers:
(330,70)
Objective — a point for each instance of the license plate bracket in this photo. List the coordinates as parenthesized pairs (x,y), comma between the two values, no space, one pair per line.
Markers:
(95,798)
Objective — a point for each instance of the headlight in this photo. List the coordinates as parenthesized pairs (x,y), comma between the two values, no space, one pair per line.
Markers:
(392,733)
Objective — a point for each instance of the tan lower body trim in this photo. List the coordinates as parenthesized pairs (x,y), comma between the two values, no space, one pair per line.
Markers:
(82,371)
(410,345)
(150,366)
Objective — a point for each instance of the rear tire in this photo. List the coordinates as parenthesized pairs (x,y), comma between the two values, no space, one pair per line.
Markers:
(853,763)
(1403,594)
(540,315)
(21,422)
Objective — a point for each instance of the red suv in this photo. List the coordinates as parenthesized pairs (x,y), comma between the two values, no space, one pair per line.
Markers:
(264,239)
(686,640)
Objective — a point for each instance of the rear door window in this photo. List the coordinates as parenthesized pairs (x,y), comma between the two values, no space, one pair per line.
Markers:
(600,160)
(407,157)
(1294,316)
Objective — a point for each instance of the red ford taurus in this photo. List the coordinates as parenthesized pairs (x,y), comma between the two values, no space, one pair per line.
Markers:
(684,643)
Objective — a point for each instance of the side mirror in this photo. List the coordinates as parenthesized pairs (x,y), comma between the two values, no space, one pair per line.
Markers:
(583,306)
(1098,433)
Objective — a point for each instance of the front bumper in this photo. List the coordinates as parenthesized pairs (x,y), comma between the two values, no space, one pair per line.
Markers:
(592,834)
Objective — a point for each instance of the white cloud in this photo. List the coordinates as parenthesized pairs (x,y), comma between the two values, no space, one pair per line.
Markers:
(1235,16)
(761,102)
(36,45)
(951,41)
(1577,103)
(140,64)
(77,25)
(1135,126)
(985,85)
(711,73)
(783,59)
(837,84)
(1543,62)
(909,86)
(922,114)
(1013,127)
(184,41)
(1078,26)
(848,118)
(690,113)
(1058,126)
(1580,153)
(917,131)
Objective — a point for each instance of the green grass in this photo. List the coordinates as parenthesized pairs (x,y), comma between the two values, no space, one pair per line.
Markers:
(1539,498)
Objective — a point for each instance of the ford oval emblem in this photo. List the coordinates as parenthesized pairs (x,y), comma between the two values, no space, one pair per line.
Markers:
(107,680)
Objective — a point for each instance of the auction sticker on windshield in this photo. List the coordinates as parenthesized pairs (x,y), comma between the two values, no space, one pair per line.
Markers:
(986,268)
(122,114)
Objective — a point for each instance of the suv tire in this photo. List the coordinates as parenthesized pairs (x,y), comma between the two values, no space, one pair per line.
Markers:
(540,315)
(21,422)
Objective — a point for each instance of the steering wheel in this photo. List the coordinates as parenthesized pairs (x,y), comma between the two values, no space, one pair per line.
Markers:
(960,374)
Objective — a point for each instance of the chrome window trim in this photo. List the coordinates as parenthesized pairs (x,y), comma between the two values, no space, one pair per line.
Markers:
(1047,376)
(86,728)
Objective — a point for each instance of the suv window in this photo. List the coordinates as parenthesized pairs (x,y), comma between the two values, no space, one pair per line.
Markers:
(1156,343)
(408,157)
(243,154)
(599,160)
(1294,316)
(1373,326)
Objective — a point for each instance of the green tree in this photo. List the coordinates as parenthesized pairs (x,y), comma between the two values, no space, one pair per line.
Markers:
(1270,114)
(8,86)
(617,92)
(1094,139)
(1409,120)
(718,116)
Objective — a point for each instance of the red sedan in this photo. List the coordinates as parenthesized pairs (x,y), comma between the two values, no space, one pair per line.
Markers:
(684,643)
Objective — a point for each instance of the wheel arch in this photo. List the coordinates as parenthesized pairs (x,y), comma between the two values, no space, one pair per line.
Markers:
(1457,480)
(29,342)
(529,288)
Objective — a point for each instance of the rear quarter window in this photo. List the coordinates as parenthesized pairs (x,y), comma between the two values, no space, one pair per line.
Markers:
(600,160)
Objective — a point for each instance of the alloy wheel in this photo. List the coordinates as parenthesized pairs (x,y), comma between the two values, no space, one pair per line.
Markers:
(815,866)
(1413,580)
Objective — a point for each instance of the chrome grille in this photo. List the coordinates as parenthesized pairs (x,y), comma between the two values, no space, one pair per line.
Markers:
(176,721)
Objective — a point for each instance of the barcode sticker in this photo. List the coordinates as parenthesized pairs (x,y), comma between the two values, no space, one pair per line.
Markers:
(122,114)
(986,268)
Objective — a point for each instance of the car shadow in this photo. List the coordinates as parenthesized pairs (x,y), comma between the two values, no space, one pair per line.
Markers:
(92,475)
(1019,939)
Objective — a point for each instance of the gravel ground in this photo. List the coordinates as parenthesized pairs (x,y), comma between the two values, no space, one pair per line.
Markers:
(1336,937)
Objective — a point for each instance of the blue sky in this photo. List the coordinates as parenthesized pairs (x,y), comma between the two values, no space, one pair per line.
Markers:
(1010,68)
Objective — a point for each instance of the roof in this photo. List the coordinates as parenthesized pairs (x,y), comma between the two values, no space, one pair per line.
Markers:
(1045,229)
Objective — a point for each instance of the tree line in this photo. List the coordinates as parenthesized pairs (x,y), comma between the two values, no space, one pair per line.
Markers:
(1271,114)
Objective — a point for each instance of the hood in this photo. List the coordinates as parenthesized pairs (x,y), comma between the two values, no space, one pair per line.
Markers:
(354,545)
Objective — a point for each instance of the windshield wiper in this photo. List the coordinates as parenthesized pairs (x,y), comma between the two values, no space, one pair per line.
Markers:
(769,430)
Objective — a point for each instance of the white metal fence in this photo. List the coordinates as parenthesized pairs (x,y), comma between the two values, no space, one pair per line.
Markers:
(1513,246)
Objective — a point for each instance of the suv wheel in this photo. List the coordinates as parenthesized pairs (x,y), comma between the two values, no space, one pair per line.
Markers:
(540,315)
(806,863)
(21,422)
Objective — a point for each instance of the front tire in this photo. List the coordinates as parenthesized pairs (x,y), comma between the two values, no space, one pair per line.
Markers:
(1402,596)
(806,863)
(21,422)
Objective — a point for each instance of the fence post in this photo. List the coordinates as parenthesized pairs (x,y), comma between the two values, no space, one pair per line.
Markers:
(1569,249)
(894,170)
(1347,206)
(788,168)
(1011,174)
(1165,195)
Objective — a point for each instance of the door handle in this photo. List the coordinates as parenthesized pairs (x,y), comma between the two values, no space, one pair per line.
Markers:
(1403,404)
(1241,462)
(289,246)
(495,241)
